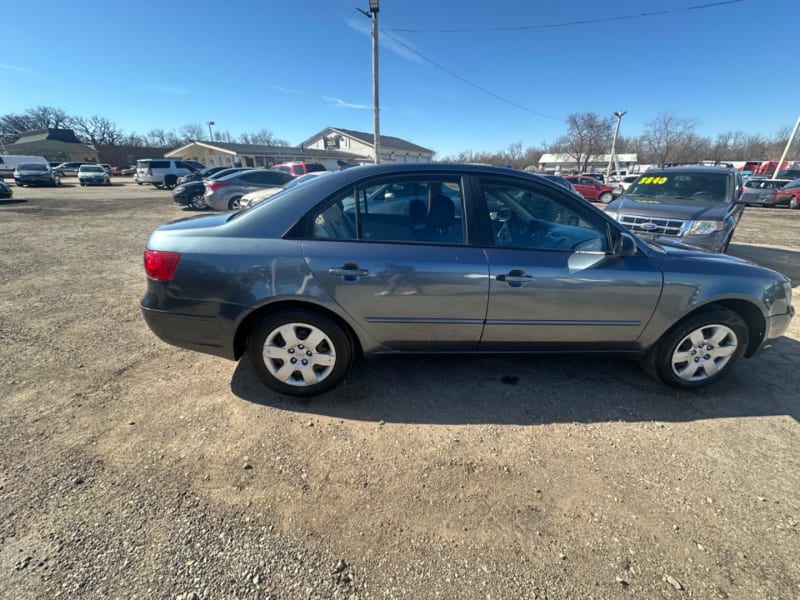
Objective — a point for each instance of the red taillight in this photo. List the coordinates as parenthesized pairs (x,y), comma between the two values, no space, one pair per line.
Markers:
(161,265)
(214,185)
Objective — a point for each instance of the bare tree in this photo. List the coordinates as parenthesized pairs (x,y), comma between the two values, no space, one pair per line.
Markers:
(96,130)
(47,117)
(13,126)
(587,137)
(192,132)
(665,136)
(263,137)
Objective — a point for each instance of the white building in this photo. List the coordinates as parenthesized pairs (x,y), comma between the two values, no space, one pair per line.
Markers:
(565,163)
(393,150)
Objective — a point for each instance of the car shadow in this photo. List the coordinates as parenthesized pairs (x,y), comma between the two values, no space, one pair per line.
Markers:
(537,390)
(778,259)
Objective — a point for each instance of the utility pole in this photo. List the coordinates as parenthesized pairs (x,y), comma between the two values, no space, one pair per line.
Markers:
(786,150)
(373,16)
(210,135)
(613,157)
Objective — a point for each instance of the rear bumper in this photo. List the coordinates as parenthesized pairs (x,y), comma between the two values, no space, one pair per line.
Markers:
(192,332)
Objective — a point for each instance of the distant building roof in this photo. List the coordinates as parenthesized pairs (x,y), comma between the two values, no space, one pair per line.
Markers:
(260,149)
(40,135)
(568,158)
(387,141)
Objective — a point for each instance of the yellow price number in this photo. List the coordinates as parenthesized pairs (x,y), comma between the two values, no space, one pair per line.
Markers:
(653,180)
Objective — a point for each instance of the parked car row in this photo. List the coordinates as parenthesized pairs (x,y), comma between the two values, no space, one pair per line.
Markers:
(220,188)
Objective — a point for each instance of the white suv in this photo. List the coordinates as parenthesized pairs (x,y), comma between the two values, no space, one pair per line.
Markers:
(164,172)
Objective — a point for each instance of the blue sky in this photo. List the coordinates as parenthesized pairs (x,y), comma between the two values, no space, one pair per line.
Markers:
(295,68)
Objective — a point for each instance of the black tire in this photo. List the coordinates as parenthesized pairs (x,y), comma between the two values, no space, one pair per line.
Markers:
(197,202)
(605,197)
(235,203)
(720,338)
(330,359)
(170,181)
(794,203)
(158,186)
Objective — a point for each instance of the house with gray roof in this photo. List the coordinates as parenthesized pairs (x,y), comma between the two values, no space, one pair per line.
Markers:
(55,145)
(393,149)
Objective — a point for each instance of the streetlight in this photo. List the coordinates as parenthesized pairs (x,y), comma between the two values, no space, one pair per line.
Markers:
(373,16)
(613,156)
(210,134)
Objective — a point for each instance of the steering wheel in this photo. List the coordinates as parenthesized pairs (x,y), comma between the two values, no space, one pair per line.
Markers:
(519,232)
(703,193)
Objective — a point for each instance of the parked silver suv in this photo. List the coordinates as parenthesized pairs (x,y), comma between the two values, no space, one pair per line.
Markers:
(164,172)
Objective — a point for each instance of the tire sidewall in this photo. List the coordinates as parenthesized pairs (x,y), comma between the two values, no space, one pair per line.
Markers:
(342,343)
(670,340)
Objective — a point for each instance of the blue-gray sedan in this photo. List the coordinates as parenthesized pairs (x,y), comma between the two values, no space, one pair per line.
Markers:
(435,258)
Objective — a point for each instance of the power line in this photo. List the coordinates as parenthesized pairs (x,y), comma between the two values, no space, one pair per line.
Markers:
(468,82)
(643,15)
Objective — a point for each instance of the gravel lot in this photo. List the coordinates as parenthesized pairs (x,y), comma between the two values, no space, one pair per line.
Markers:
(132,469)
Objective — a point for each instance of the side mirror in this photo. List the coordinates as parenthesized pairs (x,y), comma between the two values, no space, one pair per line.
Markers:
(625,245)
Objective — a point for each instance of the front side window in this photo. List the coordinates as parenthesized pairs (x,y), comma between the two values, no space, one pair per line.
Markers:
(525,217)
(412,209)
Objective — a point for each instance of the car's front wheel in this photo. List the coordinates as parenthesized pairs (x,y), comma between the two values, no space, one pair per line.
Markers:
(606,197)
(235,203)
(699,350)
(794,203)
(299,353)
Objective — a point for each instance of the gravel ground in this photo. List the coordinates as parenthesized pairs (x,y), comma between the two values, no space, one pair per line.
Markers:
(132,469)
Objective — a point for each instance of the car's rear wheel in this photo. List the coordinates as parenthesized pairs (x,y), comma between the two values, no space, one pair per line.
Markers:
(606,197)
(699,350)
(198,202)
(299,352)
(170,181)
(235,203)
(794,203)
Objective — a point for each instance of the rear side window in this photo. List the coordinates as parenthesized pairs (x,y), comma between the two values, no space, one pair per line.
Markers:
(408,209)
(159,164)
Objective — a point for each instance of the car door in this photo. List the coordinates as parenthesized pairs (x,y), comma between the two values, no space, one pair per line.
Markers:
(394,256)
(554,282)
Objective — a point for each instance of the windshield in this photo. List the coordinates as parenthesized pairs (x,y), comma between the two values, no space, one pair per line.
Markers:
(32,167)
(703,187)
(87,169)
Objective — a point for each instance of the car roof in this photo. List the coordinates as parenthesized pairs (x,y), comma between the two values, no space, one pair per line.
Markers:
(695,169)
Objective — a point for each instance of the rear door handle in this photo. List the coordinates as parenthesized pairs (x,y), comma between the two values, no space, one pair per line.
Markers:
(348,272)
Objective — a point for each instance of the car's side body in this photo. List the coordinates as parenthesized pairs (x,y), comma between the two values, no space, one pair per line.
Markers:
(788,195)
(591,189)
(582,284)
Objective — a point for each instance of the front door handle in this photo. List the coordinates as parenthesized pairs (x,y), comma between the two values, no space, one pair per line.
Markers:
(515,278)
